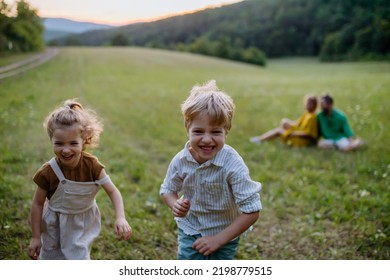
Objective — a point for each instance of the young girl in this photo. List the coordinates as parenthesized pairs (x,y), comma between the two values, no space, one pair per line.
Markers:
(67,186)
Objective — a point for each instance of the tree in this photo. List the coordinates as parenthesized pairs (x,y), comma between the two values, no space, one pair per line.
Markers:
(222,48)
(119,40)
(4,25)
(28,27)
(202,46)
(23,32)
(331,50)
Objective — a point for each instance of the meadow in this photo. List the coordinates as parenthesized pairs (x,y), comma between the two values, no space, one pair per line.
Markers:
(317,204)
(6,59)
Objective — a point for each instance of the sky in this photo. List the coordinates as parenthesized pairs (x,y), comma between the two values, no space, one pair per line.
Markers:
(119,12)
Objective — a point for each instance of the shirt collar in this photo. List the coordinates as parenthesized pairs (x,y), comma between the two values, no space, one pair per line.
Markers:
(217,160)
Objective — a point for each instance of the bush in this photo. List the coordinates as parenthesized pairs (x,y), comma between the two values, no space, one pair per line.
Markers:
(253,55)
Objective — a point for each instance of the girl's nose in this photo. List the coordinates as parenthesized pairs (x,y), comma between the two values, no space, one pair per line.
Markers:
(65,149)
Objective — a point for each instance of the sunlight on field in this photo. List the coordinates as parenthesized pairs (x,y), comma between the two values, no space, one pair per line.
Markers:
(317,204)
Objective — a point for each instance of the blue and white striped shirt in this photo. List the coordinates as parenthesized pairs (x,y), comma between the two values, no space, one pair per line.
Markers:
(218,190)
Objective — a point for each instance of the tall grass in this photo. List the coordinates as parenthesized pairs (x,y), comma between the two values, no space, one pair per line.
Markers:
(317,204)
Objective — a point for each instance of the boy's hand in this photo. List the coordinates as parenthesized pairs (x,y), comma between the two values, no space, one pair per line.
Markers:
(34,248)
(181,208)
(122,229)
(207,245)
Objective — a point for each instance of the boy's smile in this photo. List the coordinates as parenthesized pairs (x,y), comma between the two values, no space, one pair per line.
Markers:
(206,139)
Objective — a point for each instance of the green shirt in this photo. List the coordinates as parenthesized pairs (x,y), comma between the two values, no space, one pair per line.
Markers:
(334,126)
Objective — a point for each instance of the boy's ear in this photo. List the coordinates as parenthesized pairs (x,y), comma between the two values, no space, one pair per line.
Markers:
(187,132)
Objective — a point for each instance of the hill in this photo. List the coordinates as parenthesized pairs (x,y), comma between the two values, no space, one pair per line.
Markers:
(335,30)
(61,27)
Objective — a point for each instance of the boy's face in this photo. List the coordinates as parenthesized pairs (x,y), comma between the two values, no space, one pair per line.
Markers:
(68,145)
(206,139)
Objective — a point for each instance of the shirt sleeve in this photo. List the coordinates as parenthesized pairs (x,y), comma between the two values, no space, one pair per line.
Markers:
(97,167)
(41,177)
(245,190)
(173,182)
(92,164)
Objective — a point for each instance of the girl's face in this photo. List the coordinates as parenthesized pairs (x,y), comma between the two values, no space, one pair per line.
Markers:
(68,145)
(206,139)
(310,105)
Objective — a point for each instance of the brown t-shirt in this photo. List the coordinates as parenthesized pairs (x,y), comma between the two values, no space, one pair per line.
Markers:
(88,170)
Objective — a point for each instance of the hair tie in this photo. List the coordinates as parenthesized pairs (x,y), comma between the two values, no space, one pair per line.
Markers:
(67,107)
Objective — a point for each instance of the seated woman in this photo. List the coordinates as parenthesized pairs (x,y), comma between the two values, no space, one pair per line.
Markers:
(300,133)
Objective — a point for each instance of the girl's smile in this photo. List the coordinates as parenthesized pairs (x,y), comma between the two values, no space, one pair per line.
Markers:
(68,145)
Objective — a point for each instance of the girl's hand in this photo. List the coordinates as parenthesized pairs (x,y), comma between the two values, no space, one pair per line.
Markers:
(207,245)
(34,248)
(181,208)
(122,229)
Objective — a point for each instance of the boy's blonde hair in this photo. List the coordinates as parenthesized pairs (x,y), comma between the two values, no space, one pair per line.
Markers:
(71,113)
(209,99)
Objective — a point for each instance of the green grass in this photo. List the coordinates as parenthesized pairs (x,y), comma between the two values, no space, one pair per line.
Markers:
(317,204)
(8,58)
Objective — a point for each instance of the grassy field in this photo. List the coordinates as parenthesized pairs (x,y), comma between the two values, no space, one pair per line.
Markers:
(7,59)
(317,204)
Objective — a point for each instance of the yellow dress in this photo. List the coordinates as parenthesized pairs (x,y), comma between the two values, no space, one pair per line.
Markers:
(306,123)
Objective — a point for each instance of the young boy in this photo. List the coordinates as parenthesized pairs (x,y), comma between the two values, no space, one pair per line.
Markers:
(218,200)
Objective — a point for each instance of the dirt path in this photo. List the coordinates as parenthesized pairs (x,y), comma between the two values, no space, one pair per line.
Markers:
(27,64)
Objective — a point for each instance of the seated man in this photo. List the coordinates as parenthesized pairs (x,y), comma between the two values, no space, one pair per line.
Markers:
(334,128)
(300,133)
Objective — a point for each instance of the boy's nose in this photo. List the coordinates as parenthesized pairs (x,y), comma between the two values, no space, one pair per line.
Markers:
(207,138)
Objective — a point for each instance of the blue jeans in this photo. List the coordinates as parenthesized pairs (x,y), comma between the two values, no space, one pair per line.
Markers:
(185,251)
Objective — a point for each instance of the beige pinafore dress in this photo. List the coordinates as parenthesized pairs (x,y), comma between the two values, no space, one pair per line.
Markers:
(72,219)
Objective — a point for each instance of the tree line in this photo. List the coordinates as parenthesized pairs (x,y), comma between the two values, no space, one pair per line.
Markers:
(248,31)
(21,29)
(356,29)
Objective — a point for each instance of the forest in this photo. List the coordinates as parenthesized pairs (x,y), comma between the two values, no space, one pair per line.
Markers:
(21,29)
(251,30)
(248,31)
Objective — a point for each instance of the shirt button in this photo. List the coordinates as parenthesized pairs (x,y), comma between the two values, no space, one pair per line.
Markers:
(63,181)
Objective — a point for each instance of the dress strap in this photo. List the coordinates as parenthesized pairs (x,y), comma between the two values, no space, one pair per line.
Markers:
(56,168)
(103,180)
